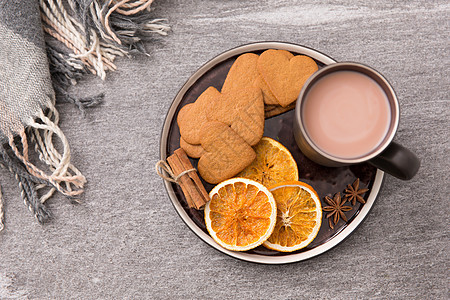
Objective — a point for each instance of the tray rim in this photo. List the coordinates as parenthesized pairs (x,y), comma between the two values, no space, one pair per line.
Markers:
(256,258)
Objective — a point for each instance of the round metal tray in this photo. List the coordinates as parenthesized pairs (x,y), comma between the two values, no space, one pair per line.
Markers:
(326,181)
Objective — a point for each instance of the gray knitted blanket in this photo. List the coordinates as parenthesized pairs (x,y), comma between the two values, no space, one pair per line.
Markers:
(46,46)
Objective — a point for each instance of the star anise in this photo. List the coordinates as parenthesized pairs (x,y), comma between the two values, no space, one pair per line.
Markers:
(353,193)
(336,208)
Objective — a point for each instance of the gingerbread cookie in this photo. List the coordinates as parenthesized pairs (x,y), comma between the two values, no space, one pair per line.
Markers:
(275,110)
(244,74)
(194,151)
(285,76)
(242,110)
(226,153)
(192,116)
(286,53)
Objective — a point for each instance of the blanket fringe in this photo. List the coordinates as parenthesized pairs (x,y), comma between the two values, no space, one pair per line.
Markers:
(42,130)
(37,185)
(27,185)
(94,32)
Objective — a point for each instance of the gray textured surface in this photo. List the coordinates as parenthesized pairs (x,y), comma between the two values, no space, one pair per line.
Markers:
(127,241)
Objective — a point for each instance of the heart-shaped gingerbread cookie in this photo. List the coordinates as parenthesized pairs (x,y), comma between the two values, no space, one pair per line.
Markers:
(285,76)
(225,155)
(242,110)
(191,117)
(244,74)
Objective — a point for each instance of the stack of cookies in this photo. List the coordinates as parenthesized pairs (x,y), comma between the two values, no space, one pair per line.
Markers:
(220,128)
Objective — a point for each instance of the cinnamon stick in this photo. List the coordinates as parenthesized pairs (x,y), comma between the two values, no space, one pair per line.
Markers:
(193,189)
(204,197)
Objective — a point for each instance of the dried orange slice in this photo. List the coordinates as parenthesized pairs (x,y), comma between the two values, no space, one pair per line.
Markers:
(241,214)
(273,164)
(299,216)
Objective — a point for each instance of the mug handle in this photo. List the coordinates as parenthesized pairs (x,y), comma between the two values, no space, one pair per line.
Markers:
(397,161)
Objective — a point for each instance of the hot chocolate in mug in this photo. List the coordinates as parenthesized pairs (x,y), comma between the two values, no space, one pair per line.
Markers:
(348,113)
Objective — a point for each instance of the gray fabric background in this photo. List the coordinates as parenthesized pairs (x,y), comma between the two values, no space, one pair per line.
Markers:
(127,242)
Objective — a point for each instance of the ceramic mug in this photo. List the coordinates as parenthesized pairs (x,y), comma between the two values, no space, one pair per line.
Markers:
(385,155)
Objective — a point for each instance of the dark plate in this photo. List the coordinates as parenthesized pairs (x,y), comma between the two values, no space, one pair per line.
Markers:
(326,181)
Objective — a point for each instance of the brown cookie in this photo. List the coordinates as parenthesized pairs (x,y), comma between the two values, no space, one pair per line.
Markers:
(192,116)
(194,151)
(274,110)
(244,74)
(242,110)
(269,98)
(285,76)
(226,153)
(286,53)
